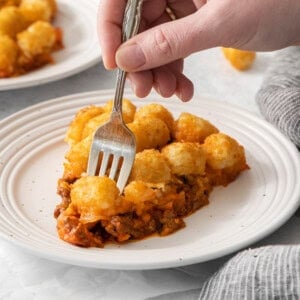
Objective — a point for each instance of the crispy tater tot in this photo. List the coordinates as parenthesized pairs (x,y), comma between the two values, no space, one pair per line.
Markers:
(11,21)
(185,158)
(8,56)
(38,10)
(95,198)
(27,22)
(128,109)
(92,124)
(157,111)
(75,130)
(222,152)
(36,44)
(4,3)
(240,59)
(151,166)
(139,192)
(149,133)
(140,195)
(76,159)
(39,38)
(190,128)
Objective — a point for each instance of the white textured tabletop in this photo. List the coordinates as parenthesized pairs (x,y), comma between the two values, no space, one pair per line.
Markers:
(23,276)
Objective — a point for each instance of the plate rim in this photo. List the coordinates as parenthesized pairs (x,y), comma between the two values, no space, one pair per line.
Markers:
(135,266)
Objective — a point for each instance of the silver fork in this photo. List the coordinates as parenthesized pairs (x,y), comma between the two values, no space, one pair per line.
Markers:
(114,142)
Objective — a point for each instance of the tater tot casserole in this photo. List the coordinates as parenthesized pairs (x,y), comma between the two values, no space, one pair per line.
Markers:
(177,164)
(27,36)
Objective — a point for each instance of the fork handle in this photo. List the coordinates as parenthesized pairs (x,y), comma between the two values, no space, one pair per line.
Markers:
(131,23)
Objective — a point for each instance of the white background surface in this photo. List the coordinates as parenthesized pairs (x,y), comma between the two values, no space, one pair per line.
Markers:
(23,276)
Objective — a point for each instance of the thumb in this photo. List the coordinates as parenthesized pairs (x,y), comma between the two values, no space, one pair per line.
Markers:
(166,43)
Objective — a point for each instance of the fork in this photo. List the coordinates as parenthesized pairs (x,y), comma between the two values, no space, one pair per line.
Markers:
(113,147)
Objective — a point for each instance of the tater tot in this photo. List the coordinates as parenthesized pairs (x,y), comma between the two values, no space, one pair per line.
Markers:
(149,133)
(95,198)
(222,152)
(190,128)
(92,124)
(38,10)
(140,195)
(11,21)
(156,111)
(150,166)
(76,159)
(27,22)
(240,59)
(185,158)
(75,130)
(4,3)
(8,56)
(128,109)
(38,39)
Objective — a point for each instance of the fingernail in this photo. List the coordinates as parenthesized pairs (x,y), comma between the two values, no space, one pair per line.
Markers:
(130,57)
(156,86)
(108,67)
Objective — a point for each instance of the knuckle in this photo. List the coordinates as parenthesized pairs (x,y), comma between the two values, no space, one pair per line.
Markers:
(162,43)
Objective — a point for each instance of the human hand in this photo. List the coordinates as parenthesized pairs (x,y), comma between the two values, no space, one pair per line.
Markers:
(154,57)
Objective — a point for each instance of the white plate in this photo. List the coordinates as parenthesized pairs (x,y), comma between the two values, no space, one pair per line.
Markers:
(77,19)
(256,204)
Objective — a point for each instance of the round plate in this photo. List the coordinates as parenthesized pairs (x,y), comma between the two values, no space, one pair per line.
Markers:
(257,203)
(77,19)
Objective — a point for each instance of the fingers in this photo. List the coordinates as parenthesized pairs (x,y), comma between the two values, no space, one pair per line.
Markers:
(182,8)
(165,43)
(152,9)
(141,82)
(163,18)
(199,3)
(166,80)
(110,17)
(184,89)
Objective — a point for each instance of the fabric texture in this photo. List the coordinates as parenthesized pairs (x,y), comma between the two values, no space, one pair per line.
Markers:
(271,272)
(279,96)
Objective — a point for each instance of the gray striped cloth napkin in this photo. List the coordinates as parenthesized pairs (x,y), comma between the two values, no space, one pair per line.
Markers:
(271,272)
(279,96)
